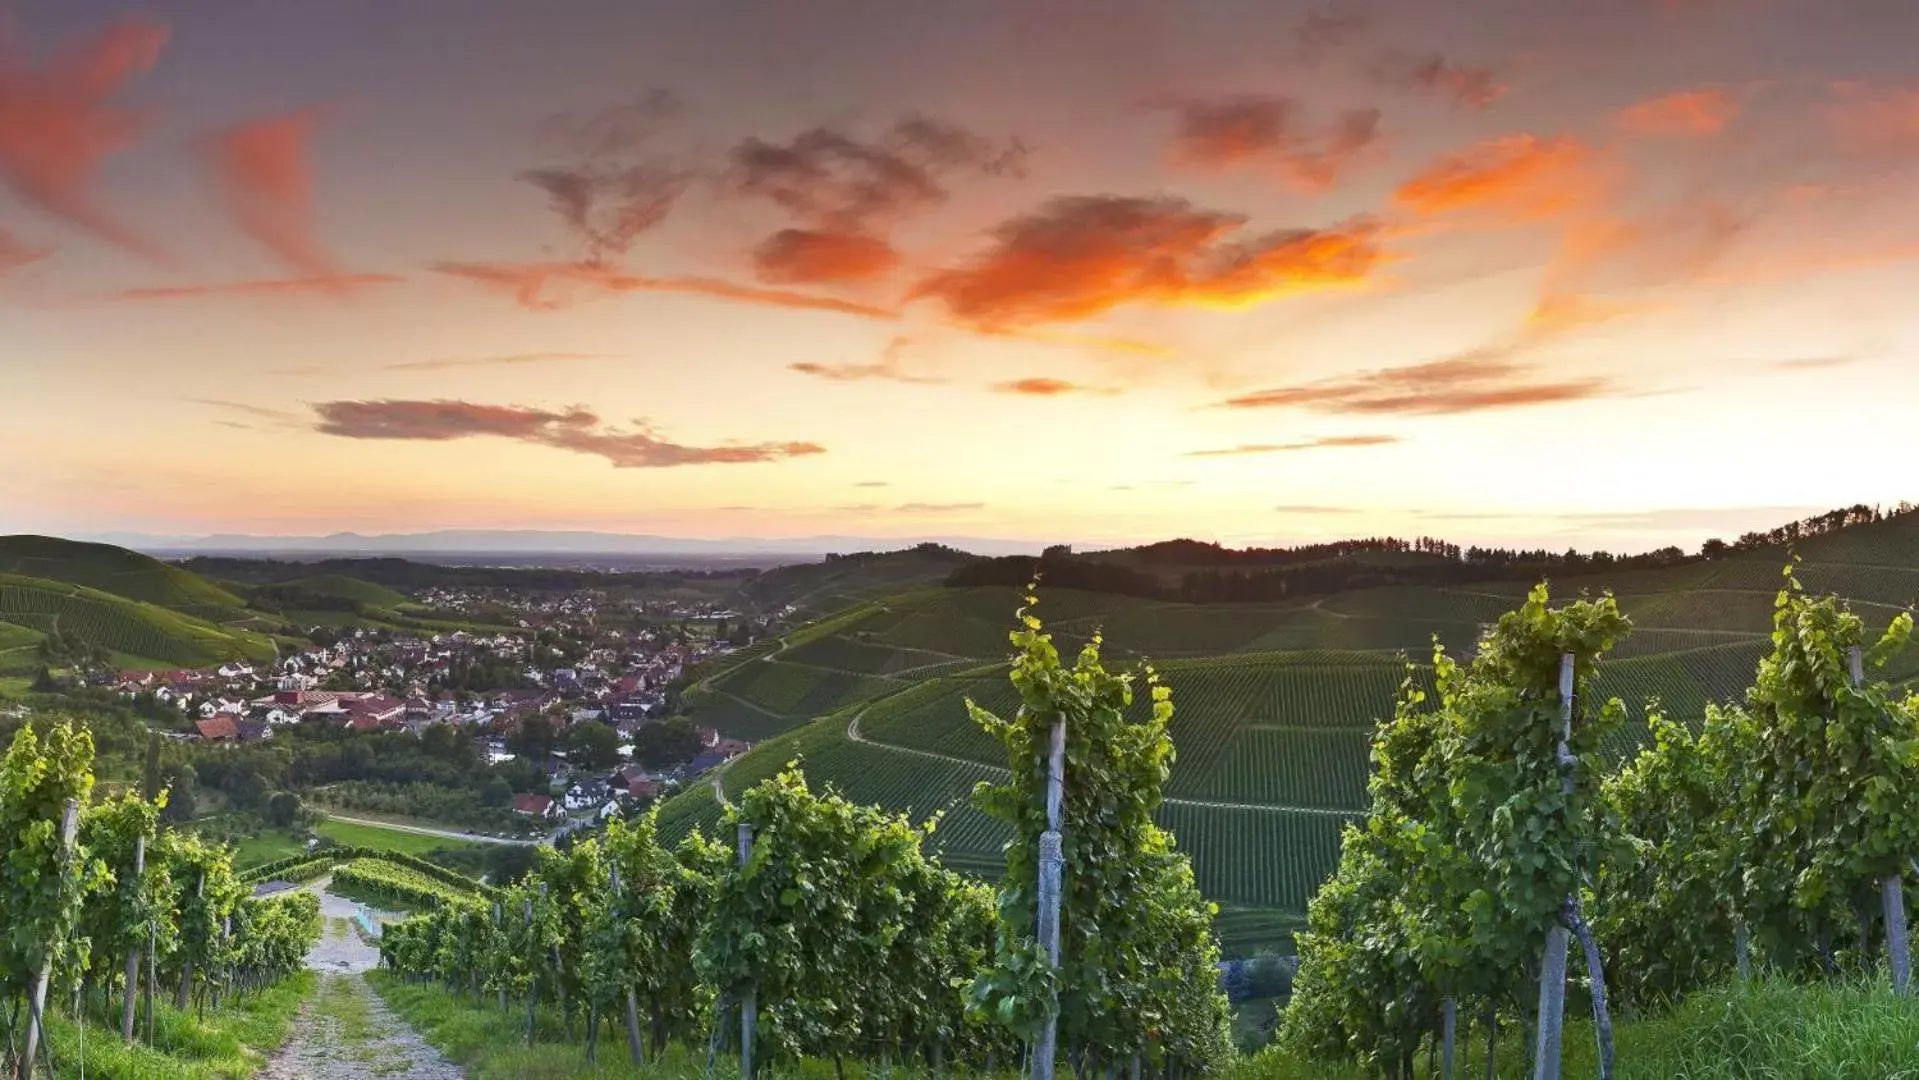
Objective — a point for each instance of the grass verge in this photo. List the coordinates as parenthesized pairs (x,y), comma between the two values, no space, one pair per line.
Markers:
(231,1043)
(406,843)
(1768,1030)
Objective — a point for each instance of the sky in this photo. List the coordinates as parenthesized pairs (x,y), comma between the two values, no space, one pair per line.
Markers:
(1095,271)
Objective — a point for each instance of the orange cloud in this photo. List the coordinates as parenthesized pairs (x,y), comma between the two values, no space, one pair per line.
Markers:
(264,176)
(575,429)
(1043,386)
(56,127)
(1470,382)
(1080,256)
(338,284)
(1263,131)
(1522,176)
(1695,113)
(888,367)
(812,256)
(549,286)
(1327,443)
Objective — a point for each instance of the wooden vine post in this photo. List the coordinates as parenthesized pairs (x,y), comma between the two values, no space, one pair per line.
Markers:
(133,954)
(1552,970)
(1052,864)
(497,932)
(749,1001)
(635,1048)
(533,983)
(180,1001)
(37,1004)
(1892,887)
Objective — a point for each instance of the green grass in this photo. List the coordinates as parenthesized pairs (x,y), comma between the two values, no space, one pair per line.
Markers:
(372,836)
(490,1045)
(14,687)
(1765,1031)
(266,846)
(231,1043)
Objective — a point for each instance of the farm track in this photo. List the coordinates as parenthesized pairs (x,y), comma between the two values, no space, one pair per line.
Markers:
(344,1031)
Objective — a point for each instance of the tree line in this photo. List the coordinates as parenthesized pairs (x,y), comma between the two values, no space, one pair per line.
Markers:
(1198,572)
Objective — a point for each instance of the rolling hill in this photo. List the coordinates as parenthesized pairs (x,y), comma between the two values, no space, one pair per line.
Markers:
(139,634)
(115,570)
(1275,702)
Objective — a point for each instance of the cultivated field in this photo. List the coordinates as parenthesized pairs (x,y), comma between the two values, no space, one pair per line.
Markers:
(1275,703)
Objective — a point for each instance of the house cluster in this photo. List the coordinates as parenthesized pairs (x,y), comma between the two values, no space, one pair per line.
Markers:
(604,794)
(376,681)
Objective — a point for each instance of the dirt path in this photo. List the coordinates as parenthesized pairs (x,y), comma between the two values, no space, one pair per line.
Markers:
(344,1031)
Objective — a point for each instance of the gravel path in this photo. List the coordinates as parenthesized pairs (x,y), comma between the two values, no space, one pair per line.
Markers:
(344,1031)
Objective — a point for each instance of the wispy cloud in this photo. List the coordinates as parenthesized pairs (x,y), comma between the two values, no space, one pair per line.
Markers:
(1876,118)
(937,508)
(575,429)
(614,187)
(1476,381)
(550,286)
(1286,508)
(1688,113)
(57,127)
(1079,256)
(453,363)
(889,367)
(1328,442)
(16,253)
(1521,176)
(1812,363)
(1325,34)
(330,286)
(264,177)
(874,483)
(1265,131)
(272,416)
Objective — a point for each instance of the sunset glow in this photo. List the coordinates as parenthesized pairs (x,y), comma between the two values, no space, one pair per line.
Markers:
(1092,271)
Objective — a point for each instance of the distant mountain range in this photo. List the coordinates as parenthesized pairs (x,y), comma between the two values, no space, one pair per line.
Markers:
(523,543)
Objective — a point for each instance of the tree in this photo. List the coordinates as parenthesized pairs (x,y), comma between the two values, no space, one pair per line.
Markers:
(666,742)
(496,792)
(533,739)
(593,745)
(283,809)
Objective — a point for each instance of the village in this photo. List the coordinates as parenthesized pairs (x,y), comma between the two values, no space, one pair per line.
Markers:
(560,671)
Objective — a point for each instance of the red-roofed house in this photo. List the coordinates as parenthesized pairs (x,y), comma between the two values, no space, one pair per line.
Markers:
(540,806)
(219,726)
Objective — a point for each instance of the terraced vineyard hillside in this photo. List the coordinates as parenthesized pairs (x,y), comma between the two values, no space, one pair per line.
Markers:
(1275,703)
(140,634)
(118,571)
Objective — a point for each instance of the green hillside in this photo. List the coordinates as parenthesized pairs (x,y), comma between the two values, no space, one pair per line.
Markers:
(118,571)
(342,587)
(1275,702)
(139,632)
(842,581)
